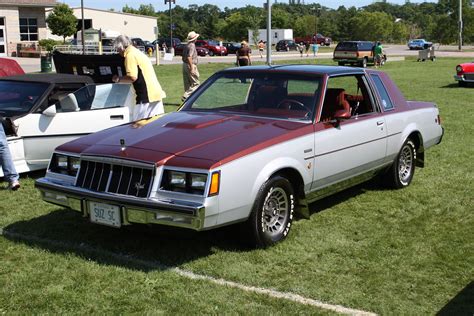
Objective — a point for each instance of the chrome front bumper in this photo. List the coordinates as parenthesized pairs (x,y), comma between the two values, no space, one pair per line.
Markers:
(133,210)
(463,78)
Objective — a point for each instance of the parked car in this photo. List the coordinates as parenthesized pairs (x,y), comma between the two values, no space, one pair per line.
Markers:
(232,47)
(316,38)
(10,67)
(213,47)
(41,112)
(138,43)
(251,145)
(464,74)
(176,42)
(419,43)
(285,45)
(201,51)
(355,53)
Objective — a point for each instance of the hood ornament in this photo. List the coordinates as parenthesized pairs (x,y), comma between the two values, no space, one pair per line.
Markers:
(122,143)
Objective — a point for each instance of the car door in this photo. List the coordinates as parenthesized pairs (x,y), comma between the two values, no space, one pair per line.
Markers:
(354,146)
(87,110)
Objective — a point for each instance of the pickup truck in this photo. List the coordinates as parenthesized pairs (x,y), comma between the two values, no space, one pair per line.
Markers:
(252,145)
(316,38)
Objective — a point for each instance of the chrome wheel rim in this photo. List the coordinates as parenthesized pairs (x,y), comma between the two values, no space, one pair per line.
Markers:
(275,211)
(405,164)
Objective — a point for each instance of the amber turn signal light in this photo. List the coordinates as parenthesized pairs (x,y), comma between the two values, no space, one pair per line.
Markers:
(214,187)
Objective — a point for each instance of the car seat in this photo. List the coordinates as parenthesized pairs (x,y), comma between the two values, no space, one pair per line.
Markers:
(334,101)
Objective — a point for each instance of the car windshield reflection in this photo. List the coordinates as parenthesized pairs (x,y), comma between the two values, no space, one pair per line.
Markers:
(279,96)
(17,98)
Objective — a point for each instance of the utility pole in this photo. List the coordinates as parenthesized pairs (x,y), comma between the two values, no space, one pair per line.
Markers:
(82,28)
(269,32)
(171,48)
(460,25)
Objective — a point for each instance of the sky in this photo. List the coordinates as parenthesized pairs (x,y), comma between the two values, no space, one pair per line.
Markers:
(160,6)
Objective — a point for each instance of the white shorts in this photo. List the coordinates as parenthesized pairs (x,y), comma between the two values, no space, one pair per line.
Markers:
(145,110)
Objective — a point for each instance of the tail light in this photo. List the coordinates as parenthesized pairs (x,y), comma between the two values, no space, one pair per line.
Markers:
(438,119)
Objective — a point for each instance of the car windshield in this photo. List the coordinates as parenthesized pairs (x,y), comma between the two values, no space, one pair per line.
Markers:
(281,96)
(17,98)
(213,43)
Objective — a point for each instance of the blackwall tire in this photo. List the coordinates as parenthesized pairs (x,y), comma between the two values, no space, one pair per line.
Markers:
(402,171)
(272,213)
(211,53)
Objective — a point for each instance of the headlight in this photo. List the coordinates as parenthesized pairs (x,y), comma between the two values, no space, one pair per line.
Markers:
(459,68)
(186,182)
(65,164)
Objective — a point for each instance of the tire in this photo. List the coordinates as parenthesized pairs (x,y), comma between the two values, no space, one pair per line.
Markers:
(402,171)
(461,83)
(211,53)
(272,213)
(363,63)
(340,63)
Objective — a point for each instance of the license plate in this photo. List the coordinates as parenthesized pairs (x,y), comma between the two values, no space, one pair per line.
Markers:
(105,214)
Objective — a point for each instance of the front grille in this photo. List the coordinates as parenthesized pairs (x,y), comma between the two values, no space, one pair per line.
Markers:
(469,76)
(115,178)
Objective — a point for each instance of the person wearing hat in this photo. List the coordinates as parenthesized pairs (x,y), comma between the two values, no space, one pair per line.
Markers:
(140,73)
(190,70)
(243,54)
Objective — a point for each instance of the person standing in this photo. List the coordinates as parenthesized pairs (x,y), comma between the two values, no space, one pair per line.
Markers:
(307,45)
(190,70)
(300,47)
(6,162)
(243,55)
(314,47)
(378,52)
(140,72)
(261,46)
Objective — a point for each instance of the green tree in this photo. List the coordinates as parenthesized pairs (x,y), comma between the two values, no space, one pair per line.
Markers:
(62,21)
(372,26)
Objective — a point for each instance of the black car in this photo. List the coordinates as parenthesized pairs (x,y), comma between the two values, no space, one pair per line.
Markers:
(232,47)
(176,42)
(138,43)
(286,45)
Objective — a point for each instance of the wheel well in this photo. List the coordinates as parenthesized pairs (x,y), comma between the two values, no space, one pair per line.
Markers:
(297,183)
(420,150)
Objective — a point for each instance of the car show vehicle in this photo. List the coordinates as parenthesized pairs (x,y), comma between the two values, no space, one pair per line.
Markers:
(419,43)
(285,45)
(316,38)
(359,53)
(40,112)
(251,145)
(213,47)
(465,74)
(201,51)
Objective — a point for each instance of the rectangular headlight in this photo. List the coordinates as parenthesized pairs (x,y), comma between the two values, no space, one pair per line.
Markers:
(64,164)
(186,182)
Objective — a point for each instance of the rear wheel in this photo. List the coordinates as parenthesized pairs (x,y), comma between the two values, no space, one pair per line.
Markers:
(363,63)
(272,213)
(211,53)
(403,169)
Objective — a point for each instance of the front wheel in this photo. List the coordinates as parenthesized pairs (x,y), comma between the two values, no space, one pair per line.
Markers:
(272,213)
(403,169)
(211,53)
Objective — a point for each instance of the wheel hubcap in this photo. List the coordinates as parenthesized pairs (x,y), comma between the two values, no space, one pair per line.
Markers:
(405,164)
(275,211)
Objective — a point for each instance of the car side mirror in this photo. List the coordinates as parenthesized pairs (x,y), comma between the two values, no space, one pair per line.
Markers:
(50,111)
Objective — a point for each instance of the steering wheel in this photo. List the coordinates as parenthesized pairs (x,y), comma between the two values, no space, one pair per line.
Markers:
(292,104)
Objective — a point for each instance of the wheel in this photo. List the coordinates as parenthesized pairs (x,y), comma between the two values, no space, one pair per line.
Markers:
(402,171)
(461,83)
(272,213)
(363,63)
(340,63)
(211,53)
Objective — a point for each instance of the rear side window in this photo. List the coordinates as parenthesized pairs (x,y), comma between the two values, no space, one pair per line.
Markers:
(349,46)
(366,46)
(386,102)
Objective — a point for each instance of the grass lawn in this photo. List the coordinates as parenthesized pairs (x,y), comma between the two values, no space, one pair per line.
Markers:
(407,251)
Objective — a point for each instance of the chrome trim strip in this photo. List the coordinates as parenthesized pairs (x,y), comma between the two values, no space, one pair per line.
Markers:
(118,161)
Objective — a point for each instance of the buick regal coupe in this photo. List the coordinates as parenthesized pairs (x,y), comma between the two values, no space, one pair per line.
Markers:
(252,145)
(41,112)
(464,74)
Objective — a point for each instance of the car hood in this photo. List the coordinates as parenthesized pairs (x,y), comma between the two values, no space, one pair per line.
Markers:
(188,139)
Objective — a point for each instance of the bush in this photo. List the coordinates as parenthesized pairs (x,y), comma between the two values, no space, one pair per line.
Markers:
(48,44)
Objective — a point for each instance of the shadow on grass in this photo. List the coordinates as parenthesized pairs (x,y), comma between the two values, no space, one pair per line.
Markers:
(138,247)
(451,85)
(461,304)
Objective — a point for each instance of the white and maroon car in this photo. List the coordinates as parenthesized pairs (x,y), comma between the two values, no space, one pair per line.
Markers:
(253,145)
(464,74)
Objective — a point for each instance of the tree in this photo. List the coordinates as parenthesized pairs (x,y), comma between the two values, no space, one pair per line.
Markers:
(62,21)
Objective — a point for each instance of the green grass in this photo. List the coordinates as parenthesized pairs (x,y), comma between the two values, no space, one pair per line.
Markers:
(407,251)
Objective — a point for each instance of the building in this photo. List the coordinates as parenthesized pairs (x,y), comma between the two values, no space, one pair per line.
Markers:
(22,23)
(132,25)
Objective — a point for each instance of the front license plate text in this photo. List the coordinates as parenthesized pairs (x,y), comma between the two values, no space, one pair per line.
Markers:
(105,214)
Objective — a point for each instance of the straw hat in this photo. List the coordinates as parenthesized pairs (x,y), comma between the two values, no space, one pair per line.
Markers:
(192,36)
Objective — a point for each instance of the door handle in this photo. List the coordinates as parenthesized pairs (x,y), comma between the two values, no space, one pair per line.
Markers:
(380,123)
(116,117)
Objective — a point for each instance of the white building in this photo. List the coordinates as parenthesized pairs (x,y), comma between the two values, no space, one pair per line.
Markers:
(132,25)
(276,34)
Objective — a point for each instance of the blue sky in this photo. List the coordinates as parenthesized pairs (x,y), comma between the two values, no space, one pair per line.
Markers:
(159,4)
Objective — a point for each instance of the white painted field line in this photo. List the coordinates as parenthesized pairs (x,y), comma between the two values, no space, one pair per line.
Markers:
(190,275)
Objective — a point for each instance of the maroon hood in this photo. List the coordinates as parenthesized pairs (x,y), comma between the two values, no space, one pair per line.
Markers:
(188,139)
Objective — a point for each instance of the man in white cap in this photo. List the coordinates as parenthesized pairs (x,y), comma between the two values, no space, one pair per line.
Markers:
(190,70)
